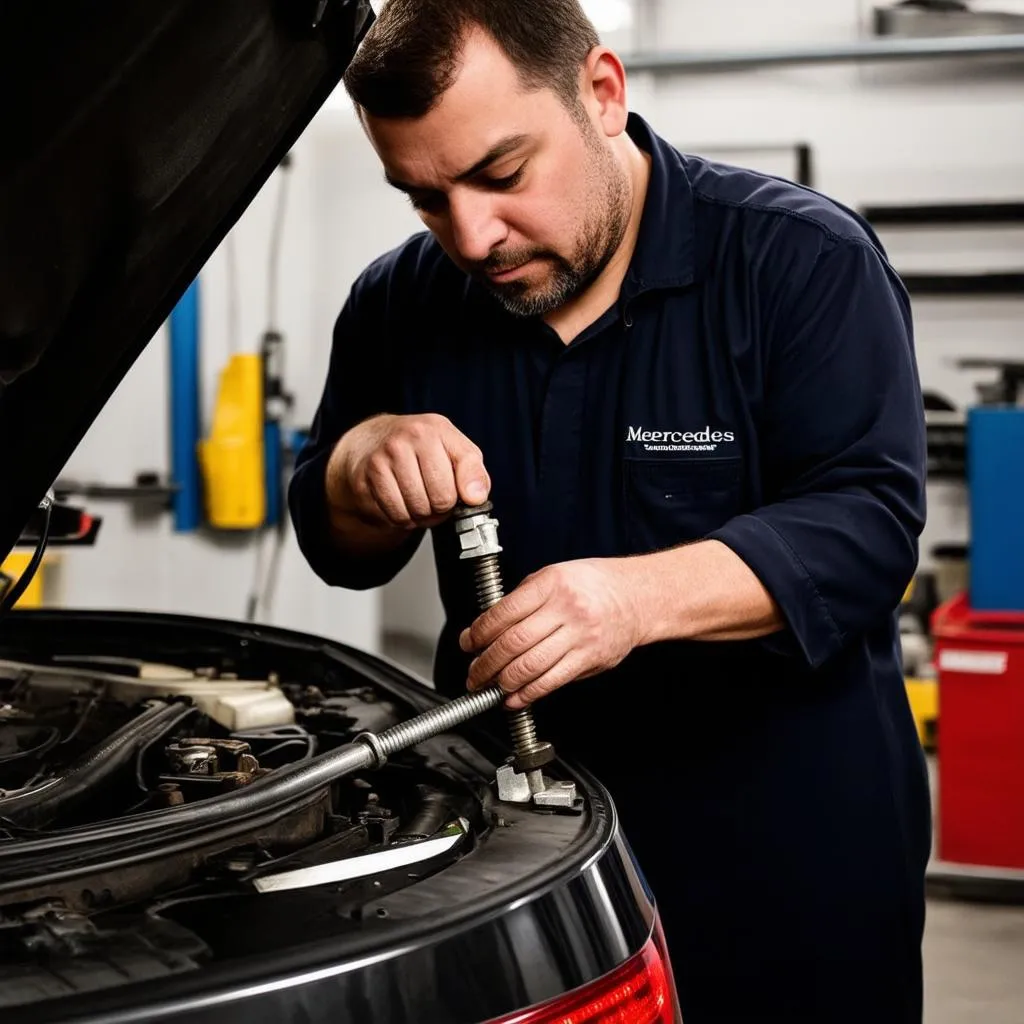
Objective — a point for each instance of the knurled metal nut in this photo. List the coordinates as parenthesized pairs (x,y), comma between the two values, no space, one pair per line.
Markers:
(543,754)
(461,511)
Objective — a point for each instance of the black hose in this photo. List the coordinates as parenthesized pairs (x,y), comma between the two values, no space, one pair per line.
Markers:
(280,788)
(11,597)
(41,805)
(434,812)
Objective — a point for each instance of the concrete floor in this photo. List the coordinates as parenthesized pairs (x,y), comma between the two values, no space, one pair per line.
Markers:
(973,952)
(974,964)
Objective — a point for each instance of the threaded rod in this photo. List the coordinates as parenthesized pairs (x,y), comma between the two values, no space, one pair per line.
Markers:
(437,720)
(489,587)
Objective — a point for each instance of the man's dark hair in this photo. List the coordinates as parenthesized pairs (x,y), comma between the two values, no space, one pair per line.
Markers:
(411,55)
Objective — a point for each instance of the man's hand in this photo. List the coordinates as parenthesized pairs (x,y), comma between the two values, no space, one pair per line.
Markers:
(400,473)
(577,619)
(567,622)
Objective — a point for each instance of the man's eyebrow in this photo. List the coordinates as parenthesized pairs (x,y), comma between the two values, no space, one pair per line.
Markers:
(507,145)
(493,155)
(400,185)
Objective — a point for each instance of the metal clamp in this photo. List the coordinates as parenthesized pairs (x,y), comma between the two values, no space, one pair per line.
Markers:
(477,531)
(533,787)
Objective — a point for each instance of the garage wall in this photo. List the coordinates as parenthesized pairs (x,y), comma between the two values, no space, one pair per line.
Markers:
(879,134)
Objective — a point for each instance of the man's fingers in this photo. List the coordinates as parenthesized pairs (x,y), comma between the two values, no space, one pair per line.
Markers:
(564,671)
(517,642)
(519,605)
(536,662)
(438,475)
(385,491)
(406,468)
(471,478)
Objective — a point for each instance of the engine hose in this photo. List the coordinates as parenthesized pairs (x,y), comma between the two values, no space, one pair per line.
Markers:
(433,813)
(280,787)
(41,805)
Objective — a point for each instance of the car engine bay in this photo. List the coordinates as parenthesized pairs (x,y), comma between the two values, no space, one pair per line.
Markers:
(94,746)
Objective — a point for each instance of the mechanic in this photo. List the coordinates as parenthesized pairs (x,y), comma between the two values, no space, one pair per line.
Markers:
(691,393)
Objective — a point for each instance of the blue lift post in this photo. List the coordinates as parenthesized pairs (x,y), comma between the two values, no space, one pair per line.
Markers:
(184,331)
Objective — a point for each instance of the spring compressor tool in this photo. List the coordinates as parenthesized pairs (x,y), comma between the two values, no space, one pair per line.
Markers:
(521,778)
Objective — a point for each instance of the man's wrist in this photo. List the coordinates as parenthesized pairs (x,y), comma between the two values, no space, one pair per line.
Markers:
(699,591)
(656,609)
(340,503)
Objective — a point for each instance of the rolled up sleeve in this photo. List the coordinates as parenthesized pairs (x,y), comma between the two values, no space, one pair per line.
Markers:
(842,444)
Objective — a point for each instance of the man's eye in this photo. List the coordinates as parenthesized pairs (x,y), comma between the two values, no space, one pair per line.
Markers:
(510,182)
(427,203)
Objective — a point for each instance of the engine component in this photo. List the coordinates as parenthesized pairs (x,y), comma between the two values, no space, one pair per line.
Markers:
(191,759)
(39,805)
(171,794)
(236,704)
(228,763)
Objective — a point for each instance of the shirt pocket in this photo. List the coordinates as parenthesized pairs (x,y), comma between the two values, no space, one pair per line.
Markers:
(674,501)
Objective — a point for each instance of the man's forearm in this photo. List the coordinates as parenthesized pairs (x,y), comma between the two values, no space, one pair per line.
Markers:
(701,591)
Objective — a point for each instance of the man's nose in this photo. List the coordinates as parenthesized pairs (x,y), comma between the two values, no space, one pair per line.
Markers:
(476,229)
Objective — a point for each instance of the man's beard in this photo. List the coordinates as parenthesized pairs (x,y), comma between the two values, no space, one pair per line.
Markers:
(597,243)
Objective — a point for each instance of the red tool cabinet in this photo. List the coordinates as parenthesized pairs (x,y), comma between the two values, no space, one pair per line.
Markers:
(980,661)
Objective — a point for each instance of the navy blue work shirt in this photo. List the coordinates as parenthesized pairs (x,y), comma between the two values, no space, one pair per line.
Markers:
(755,383)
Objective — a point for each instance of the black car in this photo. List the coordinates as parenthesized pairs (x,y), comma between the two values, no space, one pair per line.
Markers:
(208,821)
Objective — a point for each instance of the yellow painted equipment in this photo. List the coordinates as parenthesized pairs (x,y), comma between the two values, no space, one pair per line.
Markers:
(923,695)
(14,565)
(232,456)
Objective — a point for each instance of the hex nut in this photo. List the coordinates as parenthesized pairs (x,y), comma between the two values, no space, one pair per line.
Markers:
(542,754)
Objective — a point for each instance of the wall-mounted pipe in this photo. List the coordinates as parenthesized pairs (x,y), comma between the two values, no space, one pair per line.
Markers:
(839,53)
(184,332)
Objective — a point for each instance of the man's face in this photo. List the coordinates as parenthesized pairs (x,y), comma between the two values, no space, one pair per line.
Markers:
(522,195)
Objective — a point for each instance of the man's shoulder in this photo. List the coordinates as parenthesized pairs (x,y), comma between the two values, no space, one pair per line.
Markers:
(415,273)
(772,208)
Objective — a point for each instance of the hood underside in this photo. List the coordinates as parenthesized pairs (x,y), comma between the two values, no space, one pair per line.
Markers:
(134,136)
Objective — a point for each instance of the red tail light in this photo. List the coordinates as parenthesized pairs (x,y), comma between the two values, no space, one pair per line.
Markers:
(641,991)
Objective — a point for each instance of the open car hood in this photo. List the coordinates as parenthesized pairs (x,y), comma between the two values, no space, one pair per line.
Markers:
(134,137)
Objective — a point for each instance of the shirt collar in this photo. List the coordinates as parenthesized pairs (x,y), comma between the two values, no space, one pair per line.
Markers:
(664,256)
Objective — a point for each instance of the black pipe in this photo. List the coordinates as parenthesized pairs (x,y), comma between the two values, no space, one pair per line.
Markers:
(435,810)
(42,804)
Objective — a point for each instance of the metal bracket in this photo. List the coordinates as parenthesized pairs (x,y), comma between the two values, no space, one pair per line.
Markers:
(515,788)
(478,533)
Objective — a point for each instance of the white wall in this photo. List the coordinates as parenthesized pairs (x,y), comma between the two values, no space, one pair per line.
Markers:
(892,134)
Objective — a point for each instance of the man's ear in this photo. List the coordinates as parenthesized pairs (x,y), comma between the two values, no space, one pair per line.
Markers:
(604,90)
